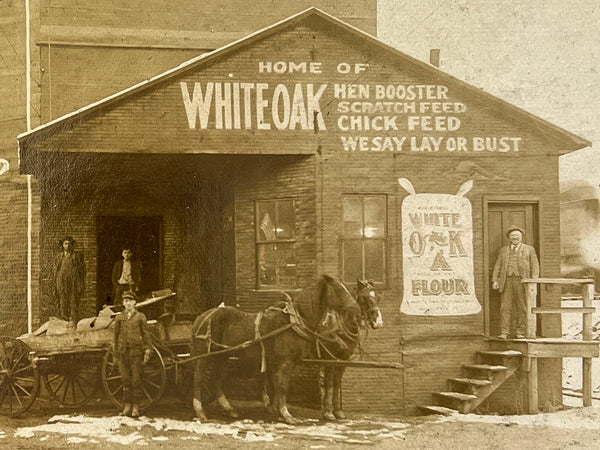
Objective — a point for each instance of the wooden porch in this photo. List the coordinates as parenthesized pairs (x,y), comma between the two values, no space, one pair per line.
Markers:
(506,356)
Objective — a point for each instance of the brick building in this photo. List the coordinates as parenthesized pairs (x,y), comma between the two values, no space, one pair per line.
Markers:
(307,147)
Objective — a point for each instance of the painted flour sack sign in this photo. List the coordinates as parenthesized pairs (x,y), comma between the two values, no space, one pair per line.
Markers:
(437,243)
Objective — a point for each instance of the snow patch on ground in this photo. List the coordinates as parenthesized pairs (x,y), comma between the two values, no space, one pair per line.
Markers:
(573,419)
(128,431)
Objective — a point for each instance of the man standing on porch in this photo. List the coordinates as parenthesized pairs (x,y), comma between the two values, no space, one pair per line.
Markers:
(515,262)
(126,276)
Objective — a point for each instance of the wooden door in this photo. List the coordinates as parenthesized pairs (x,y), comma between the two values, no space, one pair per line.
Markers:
(500,217)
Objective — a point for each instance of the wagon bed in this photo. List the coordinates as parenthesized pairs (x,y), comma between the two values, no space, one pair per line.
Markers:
(72,365)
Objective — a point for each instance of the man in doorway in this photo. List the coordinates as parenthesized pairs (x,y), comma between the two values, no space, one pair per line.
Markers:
(69,280)
(126,276)
(515,262)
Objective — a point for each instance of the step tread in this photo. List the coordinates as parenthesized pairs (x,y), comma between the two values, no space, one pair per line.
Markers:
(474,381)
(457,395)
(495,368)
(439,410)
(500,352)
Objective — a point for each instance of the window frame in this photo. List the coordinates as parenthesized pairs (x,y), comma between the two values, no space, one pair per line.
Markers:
(362,239)
(258,242)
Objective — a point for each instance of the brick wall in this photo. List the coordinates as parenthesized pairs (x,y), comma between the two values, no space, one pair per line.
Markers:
(13,186)
(155,122)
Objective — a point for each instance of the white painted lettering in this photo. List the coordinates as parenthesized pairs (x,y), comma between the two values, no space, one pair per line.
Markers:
(198,105)
(261,104)
(314,106)
(298,115)
(280,95)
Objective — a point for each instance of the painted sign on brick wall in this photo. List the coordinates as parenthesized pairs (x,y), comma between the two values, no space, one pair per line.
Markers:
(437,244)
(369,117)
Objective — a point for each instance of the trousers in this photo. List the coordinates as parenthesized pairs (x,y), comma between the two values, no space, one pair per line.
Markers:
(130,365)
(513,299)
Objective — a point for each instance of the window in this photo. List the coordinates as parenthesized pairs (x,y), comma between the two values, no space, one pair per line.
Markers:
(364,238)
(275,243)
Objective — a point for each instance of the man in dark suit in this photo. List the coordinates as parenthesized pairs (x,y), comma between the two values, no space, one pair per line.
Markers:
(69,280)
(515,262)
(126,276)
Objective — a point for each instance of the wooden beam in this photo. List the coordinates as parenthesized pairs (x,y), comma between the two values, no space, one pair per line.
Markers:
(587,381)
(532,384)
(372,364)
(558,280)
(530,303)
(563,310)
(587,295)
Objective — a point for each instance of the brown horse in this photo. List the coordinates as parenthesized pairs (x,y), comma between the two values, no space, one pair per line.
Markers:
(347,329)
(277,339)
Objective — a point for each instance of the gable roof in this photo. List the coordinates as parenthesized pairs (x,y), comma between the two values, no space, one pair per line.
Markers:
(563,138)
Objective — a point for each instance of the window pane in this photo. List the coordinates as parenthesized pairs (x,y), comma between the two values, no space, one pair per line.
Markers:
(352,207)
(374,260)
(287,264)
(375,216)
(285,219)
(352,260)
(267,264)
(266,226)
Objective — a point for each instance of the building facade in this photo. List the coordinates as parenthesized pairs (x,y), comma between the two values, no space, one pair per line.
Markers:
(310,147)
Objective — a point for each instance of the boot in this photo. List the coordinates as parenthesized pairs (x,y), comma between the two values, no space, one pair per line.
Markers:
(135,412)
(126,410)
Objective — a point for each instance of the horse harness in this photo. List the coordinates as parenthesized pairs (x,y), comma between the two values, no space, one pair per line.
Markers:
(296,323)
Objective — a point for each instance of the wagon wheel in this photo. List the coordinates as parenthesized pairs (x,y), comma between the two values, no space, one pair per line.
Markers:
(154,379)
(19,379)
(76,381)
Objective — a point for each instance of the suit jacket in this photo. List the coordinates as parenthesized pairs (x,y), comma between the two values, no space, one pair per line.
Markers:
(136,275)
(528,264)
(131,333)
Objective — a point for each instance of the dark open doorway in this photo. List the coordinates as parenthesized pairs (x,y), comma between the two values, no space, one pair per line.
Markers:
(142,234)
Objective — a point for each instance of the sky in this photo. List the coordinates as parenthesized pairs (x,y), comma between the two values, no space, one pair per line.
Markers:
(540,55)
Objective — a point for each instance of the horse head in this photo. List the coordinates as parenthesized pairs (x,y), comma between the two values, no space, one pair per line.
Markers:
(335,296)
(367,300)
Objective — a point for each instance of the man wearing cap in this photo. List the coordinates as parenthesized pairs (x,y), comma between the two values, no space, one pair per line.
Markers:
(515,262)
(132,345)
(69,280)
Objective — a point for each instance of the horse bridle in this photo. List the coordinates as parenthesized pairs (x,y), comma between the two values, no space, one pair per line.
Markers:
(362,298)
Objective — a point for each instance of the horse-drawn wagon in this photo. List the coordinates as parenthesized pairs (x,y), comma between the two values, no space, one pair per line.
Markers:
(72,365)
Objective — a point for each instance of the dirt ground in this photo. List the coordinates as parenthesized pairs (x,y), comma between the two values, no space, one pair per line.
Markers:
(46,426)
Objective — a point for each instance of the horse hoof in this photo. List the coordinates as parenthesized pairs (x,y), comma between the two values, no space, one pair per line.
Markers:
(291,420)
(339,415)
(328,415)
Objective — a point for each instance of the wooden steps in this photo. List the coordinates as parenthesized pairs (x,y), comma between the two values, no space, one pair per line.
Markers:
(466,393)
(437,410)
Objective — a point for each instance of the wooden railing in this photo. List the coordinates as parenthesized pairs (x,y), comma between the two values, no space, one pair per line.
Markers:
(587,310)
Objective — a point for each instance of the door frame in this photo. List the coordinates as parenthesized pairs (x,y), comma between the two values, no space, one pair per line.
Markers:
(537,204)
(122,215)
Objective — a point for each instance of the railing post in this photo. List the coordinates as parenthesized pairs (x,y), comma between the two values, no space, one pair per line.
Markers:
(530,302)
(587,295)
(532,384)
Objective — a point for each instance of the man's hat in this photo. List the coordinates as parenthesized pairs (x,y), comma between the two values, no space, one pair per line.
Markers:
(515,228)
(68,238)
(129,295)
